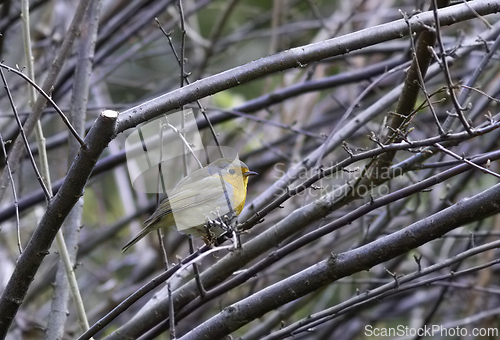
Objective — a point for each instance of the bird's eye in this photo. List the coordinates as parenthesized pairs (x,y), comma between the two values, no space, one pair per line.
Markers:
(231,171)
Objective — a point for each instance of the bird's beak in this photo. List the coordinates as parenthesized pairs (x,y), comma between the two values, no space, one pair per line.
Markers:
(250,173)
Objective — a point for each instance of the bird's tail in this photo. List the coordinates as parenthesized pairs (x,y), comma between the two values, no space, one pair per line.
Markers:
(136,238)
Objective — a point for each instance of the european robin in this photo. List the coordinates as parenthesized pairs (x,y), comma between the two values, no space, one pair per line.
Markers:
(202,202)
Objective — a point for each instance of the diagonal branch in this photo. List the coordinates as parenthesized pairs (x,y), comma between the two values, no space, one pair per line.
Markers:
(57,210)
(298,57)
(341,265)
(29,125)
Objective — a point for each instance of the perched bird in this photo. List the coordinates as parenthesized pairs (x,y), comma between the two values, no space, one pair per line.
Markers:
(202,201)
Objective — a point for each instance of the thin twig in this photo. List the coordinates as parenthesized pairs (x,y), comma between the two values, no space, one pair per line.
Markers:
(352,159)
(480,17)
(355,103)
(389,289)
(421,84)
(124,305)
(48,196)
(14,194)
(186,143)
(446,70)
(49,99)
(198,102)
(465,160)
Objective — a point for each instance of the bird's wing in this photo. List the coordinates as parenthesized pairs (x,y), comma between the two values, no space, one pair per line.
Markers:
(186,196)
